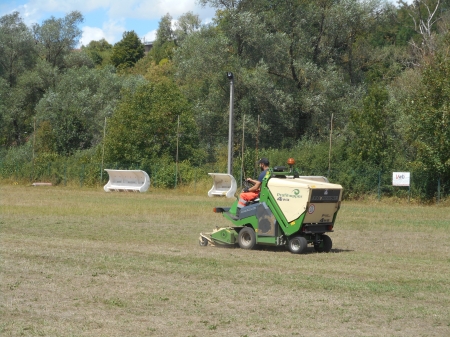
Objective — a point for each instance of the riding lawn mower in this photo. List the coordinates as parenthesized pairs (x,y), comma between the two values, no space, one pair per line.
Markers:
(292,210)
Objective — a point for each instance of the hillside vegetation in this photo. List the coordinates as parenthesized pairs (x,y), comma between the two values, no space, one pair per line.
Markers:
(369,78)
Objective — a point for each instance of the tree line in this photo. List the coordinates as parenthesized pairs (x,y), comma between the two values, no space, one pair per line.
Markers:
(369,77)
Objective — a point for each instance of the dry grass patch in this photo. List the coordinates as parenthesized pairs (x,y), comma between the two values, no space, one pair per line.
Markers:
(88,263)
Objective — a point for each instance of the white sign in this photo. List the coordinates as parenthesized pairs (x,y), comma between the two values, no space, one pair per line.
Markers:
(400,178)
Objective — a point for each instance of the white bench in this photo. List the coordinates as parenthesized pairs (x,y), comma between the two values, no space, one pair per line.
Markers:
(127,180)
(224,185)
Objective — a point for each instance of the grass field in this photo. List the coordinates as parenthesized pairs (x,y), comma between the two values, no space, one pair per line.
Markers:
(82,262)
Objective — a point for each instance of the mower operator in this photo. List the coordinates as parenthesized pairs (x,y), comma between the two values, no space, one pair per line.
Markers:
(252,193)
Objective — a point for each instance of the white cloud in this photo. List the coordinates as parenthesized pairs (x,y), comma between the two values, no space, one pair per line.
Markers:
(151,9)
(160,8)
(90,34)
(29,14)
(150,36)
(116,9)
(114,16)
(207,21)
(68,5)
(111,31)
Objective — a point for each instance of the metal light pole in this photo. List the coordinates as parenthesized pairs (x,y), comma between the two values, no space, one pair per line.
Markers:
(34,137)
(329,152)
(230,126)
(103,151)
(176,158)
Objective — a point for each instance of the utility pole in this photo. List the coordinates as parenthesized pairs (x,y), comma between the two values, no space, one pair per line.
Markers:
(34,142)
(230,126)
(103,151)
(34,137)
(242,149)
(329,152)
(256,150)
(176,159)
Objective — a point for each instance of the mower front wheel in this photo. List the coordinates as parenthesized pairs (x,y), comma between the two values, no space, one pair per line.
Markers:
(297,244)
(202,241)
(247,238)
(325,246)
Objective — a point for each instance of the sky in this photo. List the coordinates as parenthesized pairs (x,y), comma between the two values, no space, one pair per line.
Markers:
(107,19)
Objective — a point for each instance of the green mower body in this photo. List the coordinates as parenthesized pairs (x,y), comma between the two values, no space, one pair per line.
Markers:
(291,211)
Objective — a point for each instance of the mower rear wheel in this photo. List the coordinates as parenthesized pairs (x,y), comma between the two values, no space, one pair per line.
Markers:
(297,245)
(247,238)
(325,246)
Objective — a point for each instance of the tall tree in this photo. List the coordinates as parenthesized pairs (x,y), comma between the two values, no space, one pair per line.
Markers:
(99,51)
(428,114)
(127,51)
(164,44)
(58,37)
(4,88)
(372,130)
(76,107)
(144,127)
(17,48)
(186,24)
(425,15)
(165,31)
(17,58)
(294,65)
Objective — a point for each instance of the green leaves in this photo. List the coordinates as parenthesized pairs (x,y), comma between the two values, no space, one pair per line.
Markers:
(292,62)
(429,110)
(127,51)
(99,51)
(58,37)
(144,127)
(17,58)
(77,105)
(17,51)
(371,127)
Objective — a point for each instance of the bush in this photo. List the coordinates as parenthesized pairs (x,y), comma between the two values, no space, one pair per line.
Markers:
(359,179)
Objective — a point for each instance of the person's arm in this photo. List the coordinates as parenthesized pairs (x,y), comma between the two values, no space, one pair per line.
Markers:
(256,185)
